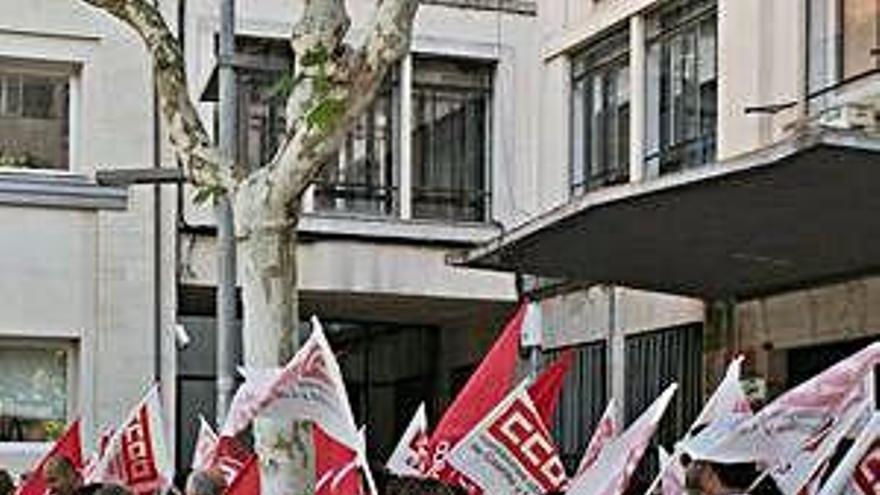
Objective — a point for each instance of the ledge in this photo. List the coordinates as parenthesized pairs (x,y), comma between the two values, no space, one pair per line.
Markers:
(522,7)
(45,188)
(393,229)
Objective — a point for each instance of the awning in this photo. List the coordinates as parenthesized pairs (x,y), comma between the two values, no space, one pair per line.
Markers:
(801,213)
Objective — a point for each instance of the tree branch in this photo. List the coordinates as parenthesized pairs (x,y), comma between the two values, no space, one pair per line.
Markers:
(191,142)
(354,78)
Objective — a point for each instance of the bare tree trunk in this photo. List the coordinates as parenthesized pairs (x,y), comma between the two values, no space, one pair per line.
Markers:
(271,334)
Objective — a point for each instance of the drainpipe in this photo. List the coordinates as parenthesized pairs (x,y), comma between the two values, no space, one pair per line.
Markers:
(226,298)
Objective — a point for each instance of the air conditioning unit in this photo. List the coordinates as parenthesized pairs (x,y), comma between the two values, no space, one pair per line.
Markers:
(850,116)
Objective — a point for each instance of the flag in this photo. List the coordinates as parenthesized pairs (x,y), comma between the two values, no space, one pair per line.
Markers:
(728,398)
(673,473)
(337,468)
(136,455)
(488,385)
(611,472)
(308,388)
(68,445)
(548,385)
(858,473)
(247,481)
(230,457)
(606,430)
(410,456)
(510,450)
(206,446)
(796,433)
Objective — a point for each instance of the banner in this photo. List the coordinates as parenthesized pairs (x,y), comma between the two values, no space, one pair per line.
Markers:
(247,482)
(136,456)
(337,467)
(486,387)
(728,398)
(606,430)
(858,473)
(795,433)
(510,451)
(410,456)
(308,388)
(673,474)
(611,472)
(68,445)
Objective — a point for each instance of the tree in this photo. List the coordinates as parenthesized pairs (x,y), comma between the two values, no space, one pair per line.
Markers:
(334,84)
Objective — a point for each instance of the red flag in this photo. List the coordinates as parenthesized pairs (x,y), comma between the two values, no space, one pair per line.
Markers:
(489,384)
(336,466)
(247,482)
(231,457)
(69,446)
(545,391)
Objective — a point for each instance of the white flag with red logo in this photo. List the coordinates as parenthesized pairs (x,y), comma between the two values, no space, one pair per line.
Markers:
(728,398)
(858,473)
(308,388)
(410,456)
(510,450)
(796,433)
(206,446)
(137,455)
(606,430)
(611,472)
(673,473)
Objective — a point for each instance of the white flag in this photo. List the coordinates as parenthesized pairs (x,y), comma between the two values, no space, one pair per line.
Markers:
(728,398)
(795,433)
(410,456)
(137,454)
(510,451)
(206,446)
(611,472)
(673,473)
(858,473)
(606,430)
(308,388)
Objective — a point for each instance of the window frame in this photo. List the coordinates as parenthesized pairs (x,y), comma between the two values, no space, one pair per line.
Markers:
(71,349)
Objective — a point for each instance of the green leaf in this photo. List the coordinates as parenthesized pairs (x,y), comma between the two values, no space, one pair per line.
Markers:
(316,56)
(325,113)
(202,195)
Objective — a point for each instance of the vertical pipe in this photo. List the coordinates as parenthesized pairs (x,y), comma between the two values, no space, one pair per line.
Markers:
(637,77)
(226,300)
(406,138)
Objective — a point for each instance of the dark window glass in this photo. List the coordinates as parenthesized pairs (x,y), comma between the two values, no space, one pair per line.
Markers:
(600,114)
(682,87)
(450,136)
(34,124)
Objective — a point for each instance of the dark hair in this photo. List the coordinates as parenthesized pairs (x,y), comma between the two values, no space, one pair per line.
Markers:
(7,486)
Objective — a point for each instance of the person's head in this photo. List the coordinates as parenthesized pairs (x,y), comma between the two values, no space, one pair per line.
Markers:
(710,478)
(210,482)
(7,486)
(61,476)
(111,489)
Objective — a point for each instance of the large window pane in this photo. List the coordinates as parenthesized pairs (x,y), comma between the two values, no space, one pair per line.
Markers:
(34,105)
(33,393)
(600,114)
(363,179)
(861,36)
(682,87)
(450,124)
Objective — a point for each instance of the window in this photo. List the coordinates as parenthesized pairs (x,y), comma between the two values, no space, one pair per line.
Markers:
(584,398)
(600,114)
(843,39)
(450,136)
(34,106)
(364,178)
(682,97)
(33,392)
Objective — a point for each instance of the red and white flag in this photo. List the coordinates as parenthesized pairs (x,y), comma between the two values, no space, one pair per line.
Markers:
(68,445)
(410,456)
(547,388)
(338,468)
(510,450)
(486,387)
(796,433)
(858,473)
(206,446)
(308,388)
(247,481)
(728,399)
(230,457)
(606,431)
(137,455)
(611,472)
